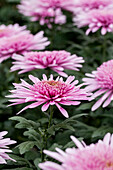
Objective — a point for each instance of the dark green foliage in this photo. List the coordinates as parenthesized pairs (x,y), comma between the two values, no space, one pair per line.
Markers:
(31,128)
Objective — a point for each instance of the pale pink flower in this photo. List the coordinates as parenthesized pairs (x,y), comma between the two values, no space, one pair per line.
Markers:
(46,11)
(88,5)
(55,60)
(101,82)
(4,148)
(8,31)
(97,156)
(19,41)
(48,92)
(95,20)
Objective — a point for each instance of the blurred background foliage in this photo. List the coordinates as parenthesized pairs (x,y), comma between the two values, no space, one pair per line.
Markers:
(83,123)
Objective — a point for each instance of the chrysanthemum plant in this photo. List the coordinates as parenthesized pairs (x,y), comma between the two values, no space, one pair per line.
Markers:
(48,93)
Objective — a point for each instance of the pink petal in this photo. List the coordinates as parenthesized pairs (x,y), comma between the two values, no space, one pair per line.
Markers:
(45,106)
(63,111)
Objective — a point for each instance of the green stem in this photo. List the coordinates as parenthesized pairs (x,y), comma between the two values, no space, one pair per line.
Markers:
(104,49)
(51,116)
(47,72)
(45,135)
(42,156)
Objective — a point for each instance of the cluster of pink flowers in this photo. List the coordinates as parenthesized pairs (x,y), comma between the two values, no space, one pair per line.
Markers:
(10,30)
(18,43)
(50,92)
(46,11)
(94,14)
(86,6)
(96,19)
(16,39)
(101,82)
(55,60)
(4,148)
(97,156)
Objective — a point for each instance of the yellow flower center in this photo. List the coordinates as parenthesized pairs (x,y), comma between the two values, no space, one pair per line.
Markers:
(109,164)
(1,30)
(52,83)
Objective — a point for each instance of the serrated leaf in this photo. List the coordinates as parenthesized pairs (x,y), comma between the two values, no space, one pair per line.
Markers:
(33,134)
(75,117)
(19,160)
(59,126)
(100,132)
(85,106)
(24,123)
(55,145)
(22,168)
(26,146)
(71,144)
(13,1)
(36,162)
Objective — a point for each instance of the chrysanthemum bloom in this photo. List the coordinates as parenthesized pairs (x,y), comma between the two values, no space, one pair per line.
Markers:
(4,148)
(20,42)
(46,11)
(101,82)
(96,19)
(85,5)
(55,60)
(8,31)
(97,156)
(48,92)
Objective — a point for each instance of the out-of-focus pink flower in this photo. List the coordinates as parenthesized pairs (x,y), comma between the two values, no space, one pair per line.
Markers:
(48,92)
(46,11)
(15,39)
(55,60)
(8,31)
(96,19)
(85,5)
(4,148)
(97,156)
(101,82)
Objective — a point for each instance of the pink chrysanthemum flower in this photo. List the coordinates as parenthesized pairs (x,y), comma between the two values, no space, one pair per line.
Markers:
(15,39)
(46,11)
(55,60)
(97,156)
(85,5)
(96,19)
(101,82)
(8,31)
(48,92)
(4,148)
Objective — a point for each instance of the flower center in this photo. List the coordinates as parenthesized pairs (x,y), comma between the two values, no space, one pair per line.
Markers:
(52,88)
(109,164)
(104,75)
(52,83)
(2,32)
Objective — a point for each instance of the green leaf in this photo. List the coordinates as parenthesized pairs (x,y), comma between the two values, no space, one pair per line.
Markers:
(36,162)
(85,106)
(59,126)
(75,117)
(100,132)
(22,168)
(24,123)
(19,160)
(26,146)
(13,1)
(55,145)
(33,134)
(66,124)
(71,144)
